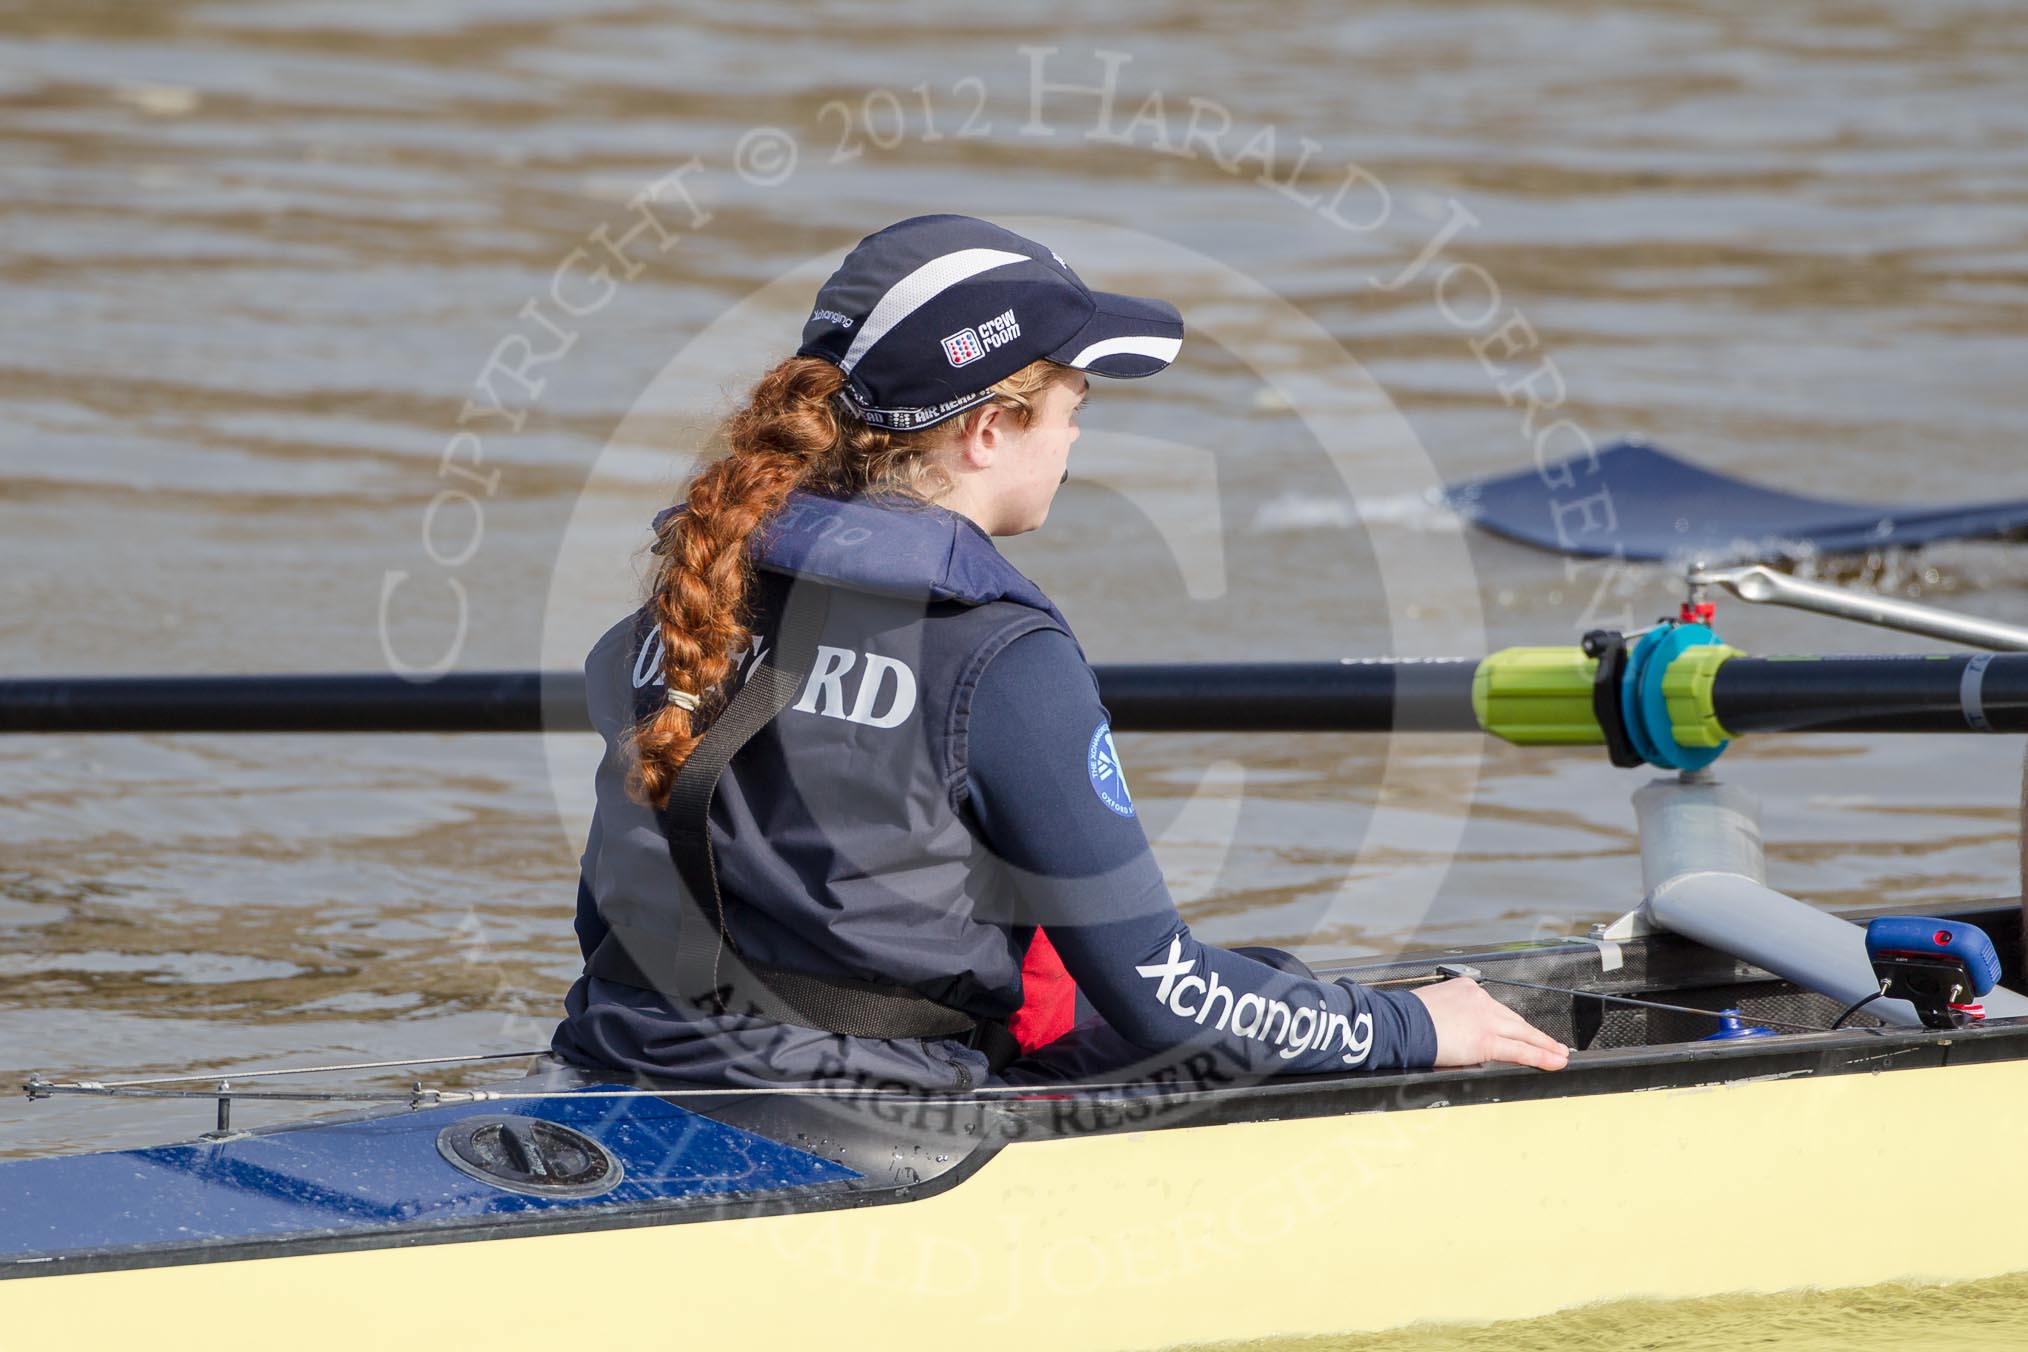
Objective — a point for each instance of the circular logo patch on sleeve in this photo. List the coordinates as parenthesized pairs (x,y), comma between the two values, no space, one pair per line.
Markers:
(1108,780)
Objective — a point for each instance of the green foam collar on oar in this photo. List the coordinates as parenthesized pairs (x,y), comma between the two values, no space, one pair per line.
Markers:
(1538,697)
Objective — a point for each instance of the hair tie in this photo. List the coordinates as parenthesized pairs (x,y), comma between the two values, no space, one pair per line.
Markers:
(683,699)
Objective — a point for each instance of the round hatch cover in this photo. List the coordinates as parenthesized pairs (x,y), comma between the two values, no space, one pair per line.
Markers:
(528,1155)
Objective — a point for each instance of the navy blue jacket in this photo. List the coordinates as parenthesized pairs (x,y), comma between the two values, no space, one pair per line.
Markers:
(945,782)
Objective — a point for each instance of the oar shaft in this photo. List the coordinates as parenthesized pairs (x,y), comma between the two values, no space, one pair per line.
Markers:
(1959,693)
(1181,697)
(499,701)
(1987,692)
(1350,696)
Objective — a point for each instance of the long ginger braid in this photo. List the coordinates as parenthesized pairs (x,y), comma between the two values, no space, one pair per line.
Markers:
(789,435)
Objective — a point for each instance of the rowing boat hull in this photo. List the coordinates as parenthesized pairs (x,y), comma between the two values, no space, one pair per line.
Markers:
(1275,1210)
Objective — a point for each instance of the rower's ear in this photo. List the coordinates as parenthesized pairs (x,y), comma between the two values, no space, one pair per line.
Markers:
(982,435)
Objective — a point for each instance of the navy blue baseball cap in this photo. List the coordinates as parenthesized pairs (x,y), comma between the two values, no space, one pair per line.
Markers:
(926,316)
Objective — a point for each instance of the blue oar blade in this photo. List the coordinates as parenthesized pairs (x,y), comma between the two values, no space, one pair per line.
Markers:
(1640,502)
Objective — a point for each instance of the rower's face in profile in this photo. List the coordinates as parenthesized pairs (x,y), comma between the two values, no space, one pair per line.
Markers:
(1039,456)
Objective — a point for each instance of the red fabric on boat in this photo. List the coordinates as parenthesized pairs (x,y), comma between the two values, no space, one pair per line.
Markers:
(1048,997)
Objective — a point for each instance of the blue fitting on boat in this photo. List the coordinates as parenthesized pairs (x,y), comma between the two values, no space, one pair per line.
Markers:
(1645,707)
(1731,1026)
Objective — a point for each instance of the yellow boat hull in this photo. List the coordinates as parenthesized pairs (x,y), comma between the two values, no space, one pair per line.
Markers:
(1183,1234)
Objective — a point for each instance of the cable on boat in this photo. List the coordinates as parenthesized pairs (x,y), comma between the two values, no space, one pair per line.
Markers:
(313,1070)
(1458,969)
(420,1097)
(1855,1007)
(417,1097)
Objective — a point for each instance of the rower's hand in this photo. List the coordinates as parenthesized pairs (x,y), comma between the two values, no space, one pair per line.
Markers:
(1473,1028)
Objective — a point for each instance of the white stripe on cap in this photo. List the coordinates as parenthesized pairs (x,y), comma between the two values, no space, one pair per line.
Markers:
(918,289)
(1161,349)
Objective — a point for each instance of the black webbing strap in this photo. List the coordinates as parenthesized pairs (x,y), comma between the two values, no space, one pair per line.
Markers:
(707,969)
(1607,706)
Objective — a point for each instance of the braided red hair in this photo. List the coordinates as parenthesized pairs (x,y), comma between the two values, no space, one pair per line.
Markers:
(791,434)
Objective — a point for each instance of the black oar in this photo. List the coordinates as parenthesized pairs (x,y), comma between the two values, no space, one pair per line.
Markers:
(1289,696)
(474,701)
(1957,693)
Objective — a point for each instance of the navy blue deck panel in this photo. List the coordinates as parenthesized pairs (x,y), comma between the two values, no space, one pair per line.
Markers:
(381,1173)
(1641,503)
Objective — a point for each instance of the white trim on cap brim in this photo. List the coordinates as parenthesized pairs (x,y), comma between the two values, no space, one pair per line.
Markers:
(918,289)
(1163,350)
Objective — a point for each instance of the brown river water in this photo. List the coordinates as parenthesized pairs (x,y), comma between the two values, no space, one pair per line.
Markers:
(349,336)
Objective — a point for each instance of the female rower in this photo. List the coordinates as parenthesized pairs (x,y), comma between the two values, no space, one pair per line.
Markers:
(860,809)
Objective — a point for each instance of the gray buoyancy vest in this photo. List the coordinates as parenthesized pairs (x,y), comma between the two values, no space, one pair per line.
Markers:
(843,843)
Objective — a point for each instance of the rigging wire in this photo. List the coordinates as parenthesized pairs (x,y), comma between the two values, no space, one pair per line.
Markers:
(419,1096)
(1458,969)
(315,1070)
(422,1097)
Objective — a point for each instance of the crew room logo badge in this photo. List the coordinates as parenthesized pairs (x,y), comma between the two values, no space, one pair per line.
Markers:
(1108,780)
(963,348)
